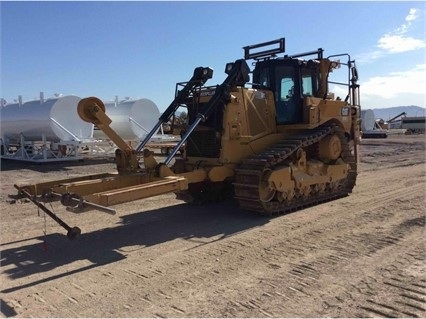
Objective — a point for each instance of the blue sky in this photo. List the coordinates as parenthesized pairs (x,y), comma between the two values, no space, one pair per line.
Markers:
(141,49)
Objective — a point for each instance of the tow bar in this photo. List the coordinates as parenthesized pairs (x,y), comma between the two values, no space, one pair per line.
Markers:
(72,232)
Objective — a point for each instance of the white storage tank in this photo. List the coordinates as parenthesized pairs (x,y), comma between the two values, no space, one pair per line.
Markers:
(367,120)
(55,118)
(131,119)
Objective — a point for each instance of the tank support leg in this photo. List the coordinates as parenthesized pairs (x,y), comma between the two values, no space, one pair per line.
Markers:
(72,232)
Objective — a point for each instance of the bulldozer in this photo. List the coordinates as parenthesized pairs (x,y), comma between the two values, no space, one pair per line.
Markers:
(277,144)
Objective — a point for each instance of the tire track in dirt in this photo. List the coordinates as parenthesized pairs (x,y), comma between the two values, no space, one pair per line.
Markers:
(404,294)
(303,282)
(368,290)
(347,247)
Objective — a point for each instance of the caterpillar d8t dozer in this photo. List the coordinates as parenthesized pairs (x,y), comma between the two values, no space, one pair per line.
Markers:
(278,144)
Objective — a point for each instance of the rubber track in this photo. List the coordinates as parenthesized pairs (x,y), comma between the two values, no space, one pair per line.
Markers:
(249,173)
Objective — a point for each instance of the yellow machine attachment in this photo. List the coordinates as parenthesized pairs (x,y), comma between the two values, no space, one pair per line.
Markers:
(130,183)
(92,110)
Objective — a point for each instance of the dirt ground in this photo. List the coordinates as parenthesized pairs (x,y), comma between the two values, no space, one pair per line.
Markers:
(359,256)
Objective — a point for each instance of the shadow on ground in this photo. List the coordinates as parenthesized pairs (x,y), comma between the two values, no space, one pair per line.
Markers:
(10,165)
(108,245)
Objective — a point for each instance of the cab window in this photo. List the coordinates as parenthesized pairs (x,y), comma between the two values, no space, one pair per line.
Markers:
(287,101)
(308,82)
(264,80)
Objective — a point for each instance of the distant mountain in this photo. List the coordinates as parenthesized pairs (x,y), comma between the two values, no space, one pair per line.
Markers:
(390,112)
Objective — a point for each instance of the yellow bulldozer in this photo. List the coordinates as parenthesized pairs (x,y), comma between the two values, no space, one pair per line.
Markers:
(278,144)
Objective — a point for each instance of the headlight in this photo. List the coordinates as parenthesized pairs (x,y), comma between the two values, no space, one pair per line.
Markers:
(229,66)
(345,111)
(207,73)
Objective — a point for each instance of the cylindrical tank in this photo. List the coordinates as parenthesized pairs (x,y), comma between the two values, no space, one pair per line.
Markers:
(131,119)
(55,118)
(367,120)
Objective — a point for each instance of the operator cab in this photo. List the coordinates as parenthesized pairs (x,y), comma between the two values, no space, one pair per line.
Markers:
(289,78)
